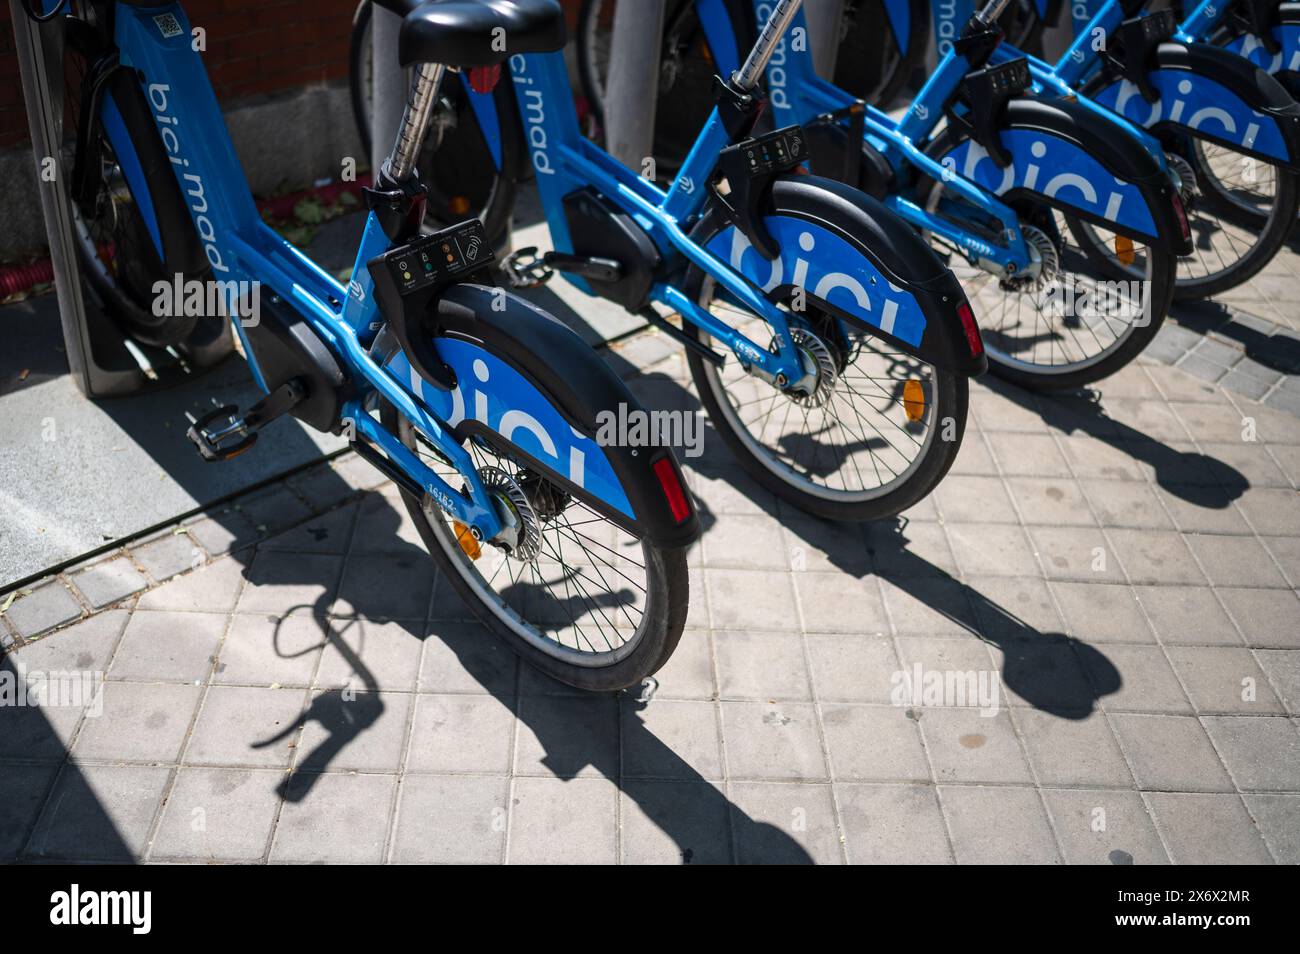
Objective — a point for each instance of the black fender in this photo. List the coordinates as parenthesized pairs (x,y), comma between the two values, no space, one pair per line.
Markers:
(580,385)
(1050,141)
(839,240)
(1240,87)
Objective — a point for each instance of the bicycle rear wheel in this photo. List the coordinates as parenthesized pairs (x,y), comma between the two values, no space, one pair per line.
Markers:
(578,597)
(1089,303)
(879,431)
(1239,209)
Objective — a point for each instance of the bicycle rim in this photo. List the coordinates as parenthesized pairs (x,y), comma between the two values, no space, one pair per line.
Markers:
(583,599)
(868,439)
(1070,323)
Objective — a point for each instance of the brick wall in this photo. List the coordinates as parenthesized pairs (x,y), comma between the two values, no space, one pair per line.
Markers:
(254,46)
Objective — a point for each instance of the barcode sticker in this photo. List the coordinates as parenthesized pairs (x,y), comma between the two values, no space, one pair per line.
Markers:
(168,25)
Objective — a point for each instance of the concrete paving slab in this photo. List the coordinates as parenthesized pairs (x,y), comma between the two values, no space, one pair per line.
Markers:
(1137,704)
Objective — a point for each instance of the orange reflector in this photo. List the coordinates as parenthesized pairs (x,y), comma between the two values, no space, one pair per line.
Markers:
(459,205)
(1124,249)
(466,540)
(914,399)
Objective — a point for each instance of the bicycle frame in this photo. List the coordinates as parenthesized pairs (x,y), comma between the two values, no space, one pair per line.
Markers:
(1209,15)
(1212,103)
(947,19)
(1080,59)
(799,96)
(156,42)
(1205,18)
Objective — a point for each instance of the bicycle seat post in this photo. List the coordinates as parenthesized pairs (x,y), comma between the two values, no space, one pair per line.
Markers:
(747,77)
(398,198)
(420,102)
(992,10)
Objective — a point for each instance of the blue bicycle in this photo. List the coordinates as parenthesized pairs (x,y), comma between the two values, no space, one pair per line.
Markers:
(483,409)
(829,344)
(1042,205)
(1229,130)
(1239,178)
(1266,32)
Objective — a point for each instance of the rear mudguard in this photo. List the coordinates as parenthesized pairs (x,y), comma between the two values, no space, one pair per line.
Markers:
(863,263)
(1284,65)
(1075,160)
(508,356)
(497,113)
(1210,93)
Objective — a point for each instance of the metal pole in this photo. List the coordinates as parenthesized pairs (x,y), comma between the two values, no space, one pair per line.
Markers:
(824,19)
(388,84)
(43,94)
(633,85)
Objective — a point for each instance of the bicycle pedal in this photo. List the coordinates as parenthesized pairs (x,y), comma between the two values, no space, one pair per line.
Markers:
(221,434)
(527,268)
(224,433)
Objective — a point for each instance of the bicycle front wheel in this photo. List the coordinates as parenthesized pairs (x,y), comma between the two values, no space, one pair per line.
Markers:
(1239,209)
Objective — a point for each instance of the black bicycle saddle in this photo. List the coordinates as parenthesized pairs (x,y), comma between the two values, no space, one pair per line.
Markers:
(465,33)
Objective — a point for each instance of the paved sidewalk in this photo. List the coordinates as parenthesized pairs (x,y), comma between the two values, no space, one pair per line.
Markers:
(1247,338)
(1126,570)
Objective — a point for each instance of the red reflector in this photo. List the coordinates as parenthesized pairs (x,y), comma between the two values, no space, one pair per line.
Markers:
(1182,216)
(484,79)
(672,488)
(972,330)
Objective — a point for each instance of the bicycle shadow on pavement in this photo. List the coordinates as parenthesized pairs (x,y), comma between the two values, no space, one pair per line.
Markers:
(1051,671)
(1279,351)
(1195,477)
(702,825)
(34,766)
